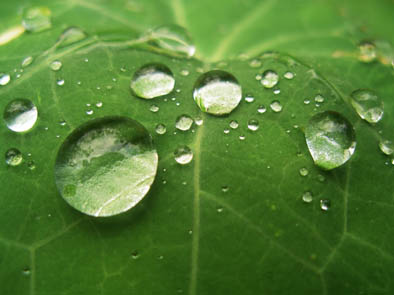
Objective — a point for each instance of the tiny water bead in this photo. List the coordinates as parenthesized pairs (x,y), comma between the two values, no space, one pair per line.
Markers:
(184,122)
(288,75)
(255,63)
(276,91)
(60,82)
(152,80)
(367,51)
(325,204)
(386,146)
(319,98)
(106,166)
(217,92)
(233,124)
(27,61)
(13,157)
(183,155)
(172,38)
(70,36)
(56,65)
(307,197)
(303,171)
(20,115)
(161,129)
(249,98)
(89,112)
(331,139)
(199,121)
(261,109)
(4,79)
(253,124)
(269,79)
(367,104)
(36,19)
(154,108)
(276,106)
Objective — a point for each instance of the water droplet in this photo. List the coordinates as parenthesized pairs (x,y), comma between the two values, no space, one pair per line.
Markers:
(172,38)
(276,106)
(225,188)
(62,123)
(288,75)
(367,51)
(242,137)
(56,65)
(253,124)
(31,165)
(319,98)
(184,122)
(26,271)
(71,35)
(89,112)
(20,115)
(4,79)
(219,209)
(331,139)
(106,166)
(27,61)
(183,155)
(161,129)
(304,172)
(36,19)
(185,73)
(307,197)
(259,77)
(154,108)
(152,80)
(226,131)
(249,98)
(269,79)
(276,91)
(325,204)
(60,82)
(199,121)
(234,124)
(367,105)
(255,63)
(99,104)
(307,101)
(261,109)
(217,92)
(13,157)
(386,146)
(135,255)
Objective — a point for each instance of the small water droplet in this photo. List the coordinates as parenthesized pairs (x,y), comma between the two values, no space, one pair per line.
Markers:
(99,104)
(4,79)
(27,61)
(325,204)
(31,165)
(367,51)
(242,137)
(307,197)
(185,73)
(234,124)
(184,122)
(89,112)
(386,146)
(225,188)
(217,92)
(276,106)
(36,19)
(219,209)
(288,75)
(13,157)
(367,105)
(183,155)
(26,271)
(319,98)
(135,255)
(255,63)
(60,82)
(276,91)
(161,129)
(331,139)
(154,108)
(70,36)
(261,109)
(253,124)
(269,79)
(304,172)
(249,98)
(152,80)
(172,38)
(62,123)
(199,121)
(259,77)
(20,115)
(56,65)
(226,131)
(307,101)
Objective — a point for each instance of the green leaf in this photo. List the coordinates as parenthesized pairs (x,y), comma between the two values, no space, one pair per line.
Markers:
(232,221)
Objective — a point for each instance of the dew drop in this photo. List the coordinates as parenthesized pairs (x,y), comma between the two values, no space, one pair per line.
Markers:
(135,255)
(172,38)
(225,188)
(184,122)
(217,92)
(386,146)
(255,63)
(276,91)
(106,166)
(288,75)
(304,172)
(249,98)
(219,209)
(307,101)
(253,124)
(319,98)
(199,121)
(258,77)
(27,61)
(307,197)
(36,19)
(367,51)
(26,271)
(99,104)
(242,137)
(226,131)
(331,139)
(4,79)
(234,124)
(56,65)
(31,165)
(60,82)
(269,79)
(70,36)
(152,80)
(161,129)
(325,204)
(154,108)
(13,157)
(62,123)
(185,73)
(367,105)
(89,112)
(183,155)
(20,115)
(261,109)
(276,106)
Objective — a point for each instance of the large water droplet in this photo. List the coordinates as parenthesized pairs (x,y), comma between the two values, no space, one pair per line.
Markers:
(13,157)
(36,19)
(387,147)
(184,122)
(217,92)
(367,51)
(106,166)
(172,38)
(367,105)
(183,155)
(4,79)
(152,80)
(20,115)
(71,35)
(331,139)
(269,79)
